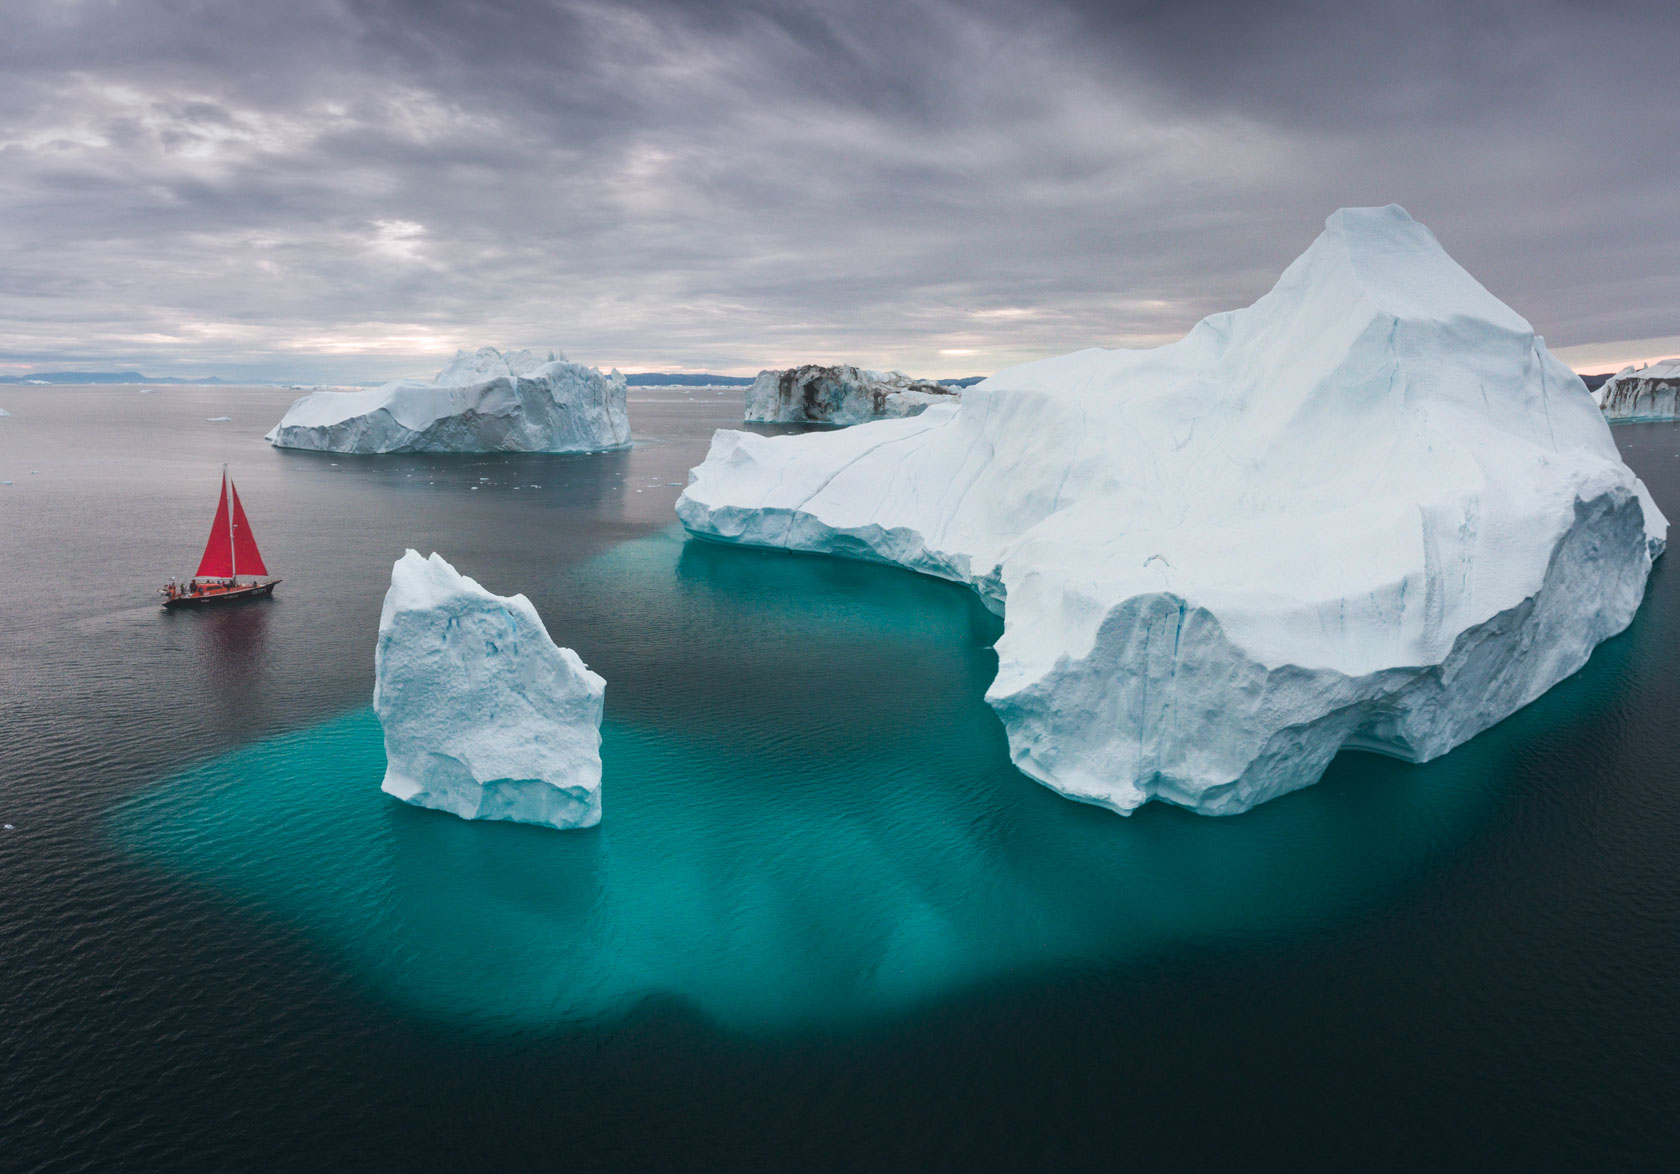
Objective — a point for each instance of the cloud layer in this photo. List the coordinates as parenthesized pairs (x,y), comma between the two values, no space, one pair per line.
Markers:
(344,189)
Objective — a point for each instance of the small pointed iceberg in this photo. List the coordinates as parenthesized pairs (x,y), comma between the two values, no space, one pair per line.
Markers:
(1370,511)
(483,401)
(484,715)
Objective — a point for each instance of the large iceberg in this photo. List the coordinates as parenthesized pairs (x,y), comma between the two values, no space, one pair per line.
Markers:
(483,401)
(1649,393)
(814,394)
(1371,511)
(484,716)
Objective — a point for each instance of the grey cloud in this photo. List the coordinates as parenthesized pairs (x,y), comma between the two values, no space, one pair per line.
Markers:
(342,189)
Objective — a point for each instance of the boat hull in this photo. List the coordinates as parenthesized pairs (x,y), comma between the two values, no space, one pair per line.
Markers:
(211,595)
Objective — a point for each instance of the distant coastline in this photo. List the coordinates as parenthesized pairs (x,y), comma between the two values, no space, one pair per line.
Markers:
(641,379)
(100,377)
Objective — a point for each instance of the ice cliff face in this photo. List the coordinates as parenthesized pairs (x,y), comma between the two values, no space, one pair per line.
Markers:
(1650,393)
(482,401)
(1370,510)
(484,716)
(839,395)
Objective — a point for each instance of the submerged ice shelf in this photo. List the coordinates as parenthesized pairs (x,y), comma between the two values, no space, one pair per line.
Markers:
(769,882)
(484,716)
(1370,510)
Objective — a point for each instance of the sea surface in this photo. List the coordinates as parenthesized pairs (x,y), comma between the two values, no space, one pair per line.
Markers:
(824,924)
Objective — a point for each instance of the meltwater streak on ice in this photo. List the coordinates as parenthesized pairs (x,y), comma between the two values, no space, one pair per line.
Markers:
(836,840)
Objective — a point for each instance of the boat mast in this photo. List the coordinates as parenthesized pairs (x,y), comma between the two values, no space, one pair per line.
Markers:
(233,552)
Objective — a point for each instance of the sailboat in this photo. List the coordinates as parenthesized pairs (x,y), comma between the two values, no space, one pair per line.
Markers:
(232,567)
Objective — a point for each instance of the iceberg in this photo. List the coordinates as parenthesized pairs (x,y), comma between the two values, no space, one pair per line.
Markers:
(1650,393)
(839,395)
(1369,511)
(484,716)
(483,401)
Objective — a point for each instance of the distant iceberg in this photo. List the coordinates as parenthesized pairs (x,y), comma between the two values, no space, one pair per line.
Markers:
(484,716)
(1649,393)
(1369,511)
(483,401)
(839,395)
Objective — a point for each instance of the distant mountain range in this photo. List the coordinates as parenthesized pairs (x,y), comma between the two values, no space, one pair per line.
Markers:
(660,379)
(98,377)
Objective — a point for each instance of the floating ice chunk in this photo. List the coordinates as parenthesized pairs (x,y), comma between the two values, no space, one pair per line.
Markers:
(1371,510)
(483,401)
(839,395)
(484,716)
(4,412)
(218,419)
(1648,393)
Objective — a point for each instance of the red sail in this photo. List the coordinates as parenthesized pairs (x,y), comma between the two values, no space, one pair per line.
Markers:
(217,562)
(245,557)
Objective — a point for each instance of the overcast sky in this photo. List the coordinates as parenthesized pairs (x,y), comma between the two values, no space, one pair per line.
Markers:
(350,189)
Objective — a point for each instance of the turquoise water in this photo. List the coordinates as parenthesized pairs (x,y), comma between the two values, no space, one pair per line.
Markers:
(810,821)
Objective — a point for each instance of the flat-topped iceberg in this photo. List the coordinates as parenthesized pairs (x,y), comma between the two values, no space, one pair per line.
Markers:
(483,401)
(1649,393)
(839,395)
(1371,510)
(484,716)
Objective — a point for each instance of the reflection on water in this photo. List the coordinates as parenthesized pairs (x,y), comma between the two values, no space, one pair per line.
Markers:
(810,819)
(225,672)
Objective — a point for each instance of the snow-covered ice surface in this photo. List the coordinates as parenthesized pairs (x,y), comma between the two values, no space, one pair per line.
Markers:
(1649,393)
(839,395)
(483,401)
(1371,510)
(483,715)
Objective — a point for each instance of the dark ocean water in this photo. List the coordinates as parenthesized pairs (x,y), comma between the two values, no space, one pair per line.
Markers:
(823,924)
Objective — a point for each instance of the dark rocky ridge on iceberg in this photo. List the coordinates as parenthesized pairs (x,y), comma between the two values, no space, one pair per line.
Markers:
(1649,393)
(814,394)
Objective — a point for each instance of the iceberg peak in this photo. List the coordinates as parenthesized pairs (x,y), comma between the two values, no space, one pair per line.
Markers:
(489,363)
(1402,268)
